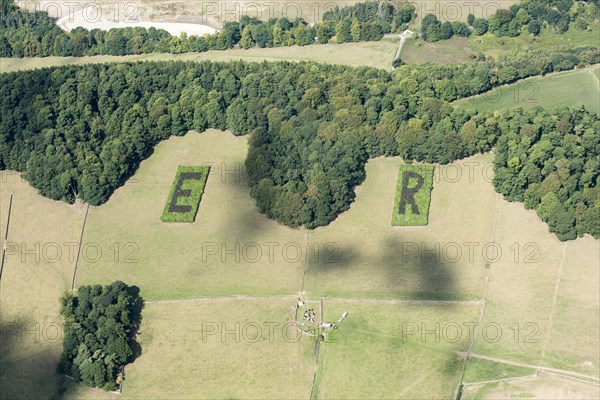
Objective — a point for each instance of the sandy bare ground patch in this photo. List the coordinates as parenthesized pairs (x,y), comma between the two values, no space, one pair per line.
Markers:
(97,20)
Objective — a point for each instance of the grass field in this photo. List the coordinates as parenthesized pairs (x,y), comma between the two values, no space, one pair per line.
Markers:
(37,270)
(230,249)
(569,88)
(372,259)
(367,360)
(358,261)
(478,370)
(528,273)
(252,363)
(411,191)
(544,386)
(573,344)
(373,54)
(460,49)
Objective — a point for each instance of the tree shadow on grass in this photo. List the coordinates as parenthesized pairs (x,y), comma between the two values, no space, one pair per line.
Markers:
(413,269)
(28,360)
(136,321)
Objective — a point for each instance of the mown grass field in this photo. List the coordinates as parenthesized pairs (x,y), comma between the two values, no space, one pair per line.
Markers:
(37,270)
(372,259)
(569,88)
(230,248)
(373,54)
(367,360)
(369,262)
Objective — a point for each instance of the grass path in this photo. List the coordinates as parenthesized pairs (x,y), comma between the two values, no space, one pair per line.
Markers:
(5,236)
(372,54)
(554,296)
(87,211)
(485,296)
(591,71)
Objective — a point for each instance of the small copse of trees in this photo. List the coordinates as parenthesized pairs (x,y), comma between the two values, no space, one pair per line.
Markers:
(99,330)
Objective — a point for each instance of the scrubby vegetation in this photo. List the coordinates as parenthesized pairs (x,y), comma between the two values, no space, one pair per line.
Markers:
(100,326)
(82,131)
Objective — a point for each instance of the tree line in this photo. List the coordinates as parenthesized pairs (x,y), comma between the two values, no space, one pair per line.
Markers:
(35,34)
(81,131)
(529,15)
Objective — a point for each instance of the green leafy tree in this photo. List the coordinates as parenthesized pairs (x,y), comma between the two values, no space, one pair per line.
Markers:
(534,27)
(355,30)
(246,41)
(342,31)
(480,26)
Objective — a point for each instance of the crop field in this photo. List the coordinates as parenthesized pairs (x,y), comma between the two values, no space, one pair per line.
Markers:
(405,289)
(572,88)
(373,54)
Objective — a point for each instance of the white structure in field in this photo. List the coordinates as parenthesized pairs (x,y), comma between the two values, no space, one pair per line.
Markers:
(344,315)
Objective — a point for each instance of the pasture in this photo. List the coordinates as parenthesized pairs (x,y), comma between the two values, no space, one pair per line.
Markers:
(478,370)
(42,241)
(367,358)
(544,386)
(397,283)
(573,88)
(459,49)
(230,249)
(373,54)
(369,258)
